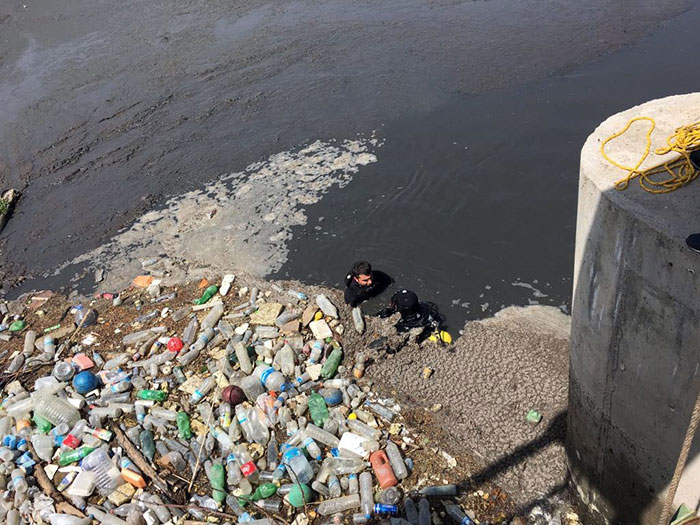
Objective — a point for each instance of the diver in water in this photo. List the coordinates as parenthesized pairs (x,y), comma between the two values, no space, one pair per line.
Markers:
(363,283)
(415,314)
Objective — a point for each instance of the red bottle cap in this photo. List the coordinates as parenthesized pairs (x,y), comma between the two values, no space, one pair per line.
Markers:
(175,344)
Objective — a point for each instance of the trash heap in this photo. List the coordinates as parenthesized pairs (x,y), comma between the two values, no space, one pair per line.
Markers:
(241,406)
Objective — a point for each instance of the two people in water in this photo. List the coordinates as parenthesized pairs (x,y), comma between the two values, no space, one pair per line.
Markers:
(363,283)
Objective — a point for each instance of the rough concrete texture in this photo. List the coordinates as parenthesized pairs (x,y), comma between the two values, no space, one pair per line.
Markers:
(634,359)
(487,382)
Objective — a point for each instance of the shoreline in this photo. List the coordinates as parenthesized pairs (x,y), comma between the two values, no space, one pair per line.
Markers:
(487,433)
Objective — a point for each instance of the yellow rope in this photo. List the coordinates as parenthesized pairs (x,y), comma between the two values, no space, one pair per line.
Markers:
(680,171)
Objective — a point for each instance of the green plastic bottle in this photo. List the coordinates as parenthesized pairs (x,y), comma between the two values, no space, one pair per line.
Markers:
(16,326)
(318,409)
(155,395)
(263,491)
(208,294)
(217,478)
(330,367)
(183,425)
(148,445)
(43,425)
(73,456)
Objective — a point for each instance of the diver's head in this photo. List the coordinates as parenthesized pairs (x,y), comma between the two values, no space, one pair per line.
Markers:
(405,302)
(361,273)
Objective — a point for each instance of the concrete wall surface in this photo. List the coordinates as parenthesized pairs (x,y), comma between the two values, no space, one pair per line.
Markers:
(635,338)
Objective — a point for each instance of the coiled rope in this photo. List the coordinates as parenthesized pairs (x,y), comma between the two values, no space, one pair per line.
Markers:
(678,172)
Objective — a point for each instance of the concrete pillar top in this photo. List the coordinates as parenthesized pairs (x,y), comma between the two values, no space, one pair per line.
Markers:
(676,214)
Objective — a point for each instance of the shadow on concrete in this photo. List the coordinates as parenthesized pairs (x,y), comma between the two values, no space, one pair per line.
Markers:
(633,354)
(554,433)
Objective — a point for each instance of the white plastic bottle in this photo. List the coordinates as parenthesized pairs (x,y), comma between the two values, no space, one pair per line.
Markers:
(366,493)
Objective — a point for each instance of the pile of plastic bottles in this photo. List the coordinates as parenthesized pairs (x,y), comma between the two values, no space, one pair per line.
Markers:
(267,420)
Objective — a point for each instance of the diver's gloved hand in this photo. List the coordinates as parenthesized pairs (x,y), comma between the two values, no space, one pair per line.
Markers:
(386,312)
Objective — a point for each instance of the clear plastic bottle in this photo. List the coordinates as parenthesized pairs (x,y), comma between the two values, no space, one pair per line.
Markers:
(316,351)
(366,493)
(243,357)
(246,463)
(213,316)
(298,466)
(358,427)
(332,506)
(396,460)
(252,428)
(107,475)
(345,465)
(357,320)
(190,332)
(203,389)
(311,447)
(321,435)
(270,378)
(334,489)
(381,411)
(326,306)
(222,437)
(56,410)
(203,339)
(458,514)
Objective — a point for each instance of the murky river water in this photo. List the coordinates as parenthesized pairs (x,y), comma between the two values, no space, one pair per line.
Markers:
(439,139)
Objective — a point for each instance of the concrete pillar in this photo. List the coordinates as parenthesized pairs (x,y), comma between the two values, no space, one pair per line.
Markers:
(635,338)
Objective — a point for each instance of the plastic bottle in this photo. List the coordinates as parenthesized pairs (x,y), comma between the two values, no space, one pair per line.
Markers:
(396,460)
(301,296)
(155,395)
(103,517)
(330,367)
(107,475)
(366,493)
(43,444)
(148,446)
(222,437)
(353,484)
(75,436)
(390,496)
(252,387)
(213,316)
(321,436)
(341,504)
(270,378)
(204,337)
(217,477)
(208,294)
(345,465)
(334,489)
(316,351)
(458,514)
(243,358)
(357,320)
(245,462)
(382,469)
(203,389)
(439,490)
(311,447)
(253,429)
(326,306)
(358,427)
(359,369)
(297,465)
(318,409)
(56,410)
(381,411)
(73,456)
(424,517)
(190,332)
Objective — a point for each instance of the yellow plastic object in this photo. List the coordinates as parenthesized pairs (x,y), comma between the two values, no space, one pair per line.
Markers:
(318,316)
(441,336)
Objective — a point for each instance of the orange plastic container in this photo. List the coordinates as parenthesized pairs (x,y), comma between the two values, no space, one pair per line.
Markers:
(133,477)
(382,469)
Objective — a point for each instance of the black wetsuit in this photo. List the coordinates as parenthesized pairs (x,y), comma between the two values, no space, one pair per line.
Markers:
(355,293)
(425,316)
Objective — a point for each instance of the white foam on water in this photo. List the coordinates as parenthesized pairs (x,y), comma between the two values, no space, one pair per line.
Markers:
(242,221)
